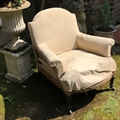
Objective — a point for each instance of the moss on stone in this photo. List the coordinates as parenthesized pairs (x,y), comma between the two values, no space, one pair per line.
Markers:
(89,115)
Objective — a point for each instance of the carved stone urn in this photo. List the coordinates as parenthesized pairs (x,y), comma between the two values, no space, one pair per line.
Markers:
(13,24)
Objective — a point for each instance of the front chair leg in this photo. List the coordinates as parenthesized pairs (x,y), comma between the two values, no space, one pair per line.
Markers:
(68,100)
(112,83)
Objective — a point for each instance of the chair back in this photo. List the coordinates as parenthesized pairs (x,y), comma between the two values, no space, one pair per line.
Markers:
(55,27)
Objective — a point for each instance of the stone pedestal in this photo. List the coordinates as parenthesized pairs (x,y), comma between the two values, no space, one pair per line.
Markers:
(18,65)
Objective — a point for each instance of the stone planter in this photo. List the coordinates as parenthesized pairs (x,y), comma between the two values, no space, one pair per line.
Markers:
(104,34)
(13,24)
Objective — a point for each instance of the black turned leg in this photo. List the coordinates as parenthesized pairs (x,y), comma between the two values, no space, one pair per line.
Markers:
(40,77)
(112,83)
(68,100)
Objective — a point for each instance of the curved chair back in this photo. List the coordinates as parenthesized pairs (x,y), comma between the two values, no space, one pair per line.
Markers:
(59,33)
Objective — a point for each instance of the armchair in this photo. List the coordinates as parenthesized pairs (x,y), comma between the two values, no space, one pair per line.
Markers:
(74,61)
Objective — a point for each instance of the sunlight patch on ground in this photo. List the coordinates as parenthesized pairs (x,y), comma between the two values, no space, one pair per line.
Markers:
(2,108)
(23,118)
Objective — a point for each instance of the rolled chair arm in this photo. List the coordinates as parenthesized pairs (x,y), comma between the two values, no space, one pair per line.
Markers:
(94,44)
(51,58)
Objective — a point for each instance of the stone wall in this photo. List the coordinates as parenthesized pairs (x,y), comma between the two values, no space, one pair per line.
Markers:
(71,5)
(90,9)
(115,11)
(34,8)
(30,12)
(61,3)
(54,3)
(74,6)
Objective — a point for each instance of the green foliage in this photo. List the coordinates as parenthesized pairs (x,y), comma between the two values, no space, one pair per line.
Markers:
(15,3)
(9,98)
(89,115)
(11,3)
(104,15)
(111,106)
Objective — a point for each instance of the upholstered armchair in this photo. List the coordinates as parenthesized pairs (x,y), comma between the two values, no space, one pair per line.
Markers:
(73,61)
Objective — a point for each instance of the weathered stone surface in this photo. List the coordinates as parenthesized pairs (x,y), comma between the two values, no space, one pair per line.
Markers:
(18,65)
(13,26)
(15,44)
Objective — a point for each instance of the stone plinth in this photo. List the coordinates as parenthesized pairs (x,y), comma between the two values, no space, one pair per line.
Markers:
(18,65)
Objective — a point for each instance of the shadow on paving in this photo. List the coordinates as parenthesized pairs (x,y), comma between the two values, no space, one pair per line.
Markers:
(39,100)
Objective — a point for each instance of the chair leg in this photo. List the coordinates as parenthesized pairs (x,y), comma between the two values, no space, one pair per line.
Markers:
(40,77)
(68,100)
(112,83)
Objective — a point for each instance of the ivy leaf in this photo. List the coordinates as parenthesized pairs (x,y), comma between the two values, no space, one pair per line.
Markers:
(9,98)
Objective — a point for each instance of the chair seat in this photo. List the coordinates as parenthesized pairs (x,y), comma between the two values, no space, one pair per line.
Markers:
(83,69)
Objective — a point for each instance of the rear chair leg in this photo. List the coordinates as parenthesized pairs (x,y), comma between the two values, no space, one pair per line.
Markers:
(40,77)
(112,83)
(68,100)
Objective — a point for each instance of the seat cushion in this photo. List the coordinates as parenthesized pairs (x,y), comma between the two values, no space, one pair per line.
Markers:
(83,69)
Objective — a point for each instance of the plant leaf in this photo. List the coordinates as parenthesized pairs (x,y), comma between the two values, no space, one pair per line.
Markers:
(9,98)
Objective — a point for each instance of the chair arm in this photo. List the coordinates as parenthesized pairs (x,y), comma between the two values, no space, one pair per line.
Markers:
(98,45)
(51,58)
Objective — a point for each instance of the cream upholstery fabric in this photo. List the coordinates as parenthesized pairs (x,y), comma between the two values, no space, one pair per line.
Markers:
(56,26)
(84,69)
(76,60)
(51,58)
(97,45)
